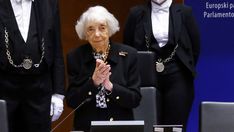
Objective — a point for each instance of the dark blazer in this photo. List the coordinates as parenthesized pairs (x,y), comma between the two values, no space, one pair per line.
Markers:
(125,78)
(48,23)
(138,29)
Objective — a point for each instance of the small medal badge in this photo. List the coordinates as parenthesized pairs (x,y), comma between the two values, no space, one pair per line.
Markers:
(27,64)
(159,67)
(122,53)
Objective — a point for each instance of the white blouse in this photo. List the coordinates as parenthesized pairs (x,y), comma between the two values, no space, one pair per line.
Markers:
(22,11)
(160,22)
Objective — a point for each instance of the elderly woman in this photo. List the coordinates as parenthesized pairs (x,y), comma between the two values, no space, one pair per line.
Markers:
(103,76)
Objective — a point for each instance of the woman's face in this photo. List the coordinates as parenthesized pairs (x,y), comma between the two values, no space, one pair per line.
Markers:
(97,34)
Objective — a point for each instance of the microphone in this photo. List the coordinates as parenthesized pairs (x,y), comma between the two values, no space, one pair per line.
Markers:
(81,104)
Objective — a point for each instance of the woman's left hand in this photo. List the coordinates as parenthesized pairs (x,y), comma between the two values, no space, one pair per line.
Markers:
(107,83)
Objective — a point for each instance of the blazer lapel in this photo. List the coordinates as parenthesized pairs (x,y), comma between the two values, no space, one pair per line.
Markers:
(43,14)
(113,53)
(7,18)
(148,26)
(176,18)
(89,57)
(39,16)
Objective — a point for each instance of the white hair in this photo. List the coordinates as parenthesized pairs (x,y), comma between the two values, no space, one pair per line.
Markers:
(96,13)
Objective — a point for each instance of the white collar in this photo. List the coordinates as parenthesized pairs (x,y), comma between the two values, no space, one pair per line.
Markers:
(164,7)
(19,1)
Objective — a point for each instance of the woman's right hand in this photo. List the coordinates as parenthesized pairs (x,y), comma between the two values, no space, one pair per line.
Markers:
(100,73)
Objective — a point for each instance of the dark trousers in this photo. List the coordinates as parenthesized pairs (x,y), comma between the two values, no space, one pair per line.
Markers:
(177,90)
(28,100)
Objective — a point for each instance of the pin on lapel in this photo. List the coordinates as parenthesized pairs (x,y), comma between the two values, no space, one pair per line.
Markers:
(122,53)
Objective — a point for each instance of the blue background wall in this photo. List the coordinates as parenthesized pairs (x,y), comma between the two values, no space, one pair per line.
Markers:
(216,64)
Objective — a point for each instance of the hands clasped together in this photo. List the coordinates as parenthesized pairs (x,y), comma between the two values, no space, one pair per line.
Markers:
(102,74)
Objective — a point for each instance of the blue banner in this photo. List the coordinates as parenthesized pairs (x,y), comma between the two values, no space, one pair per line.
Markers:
(215,78)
